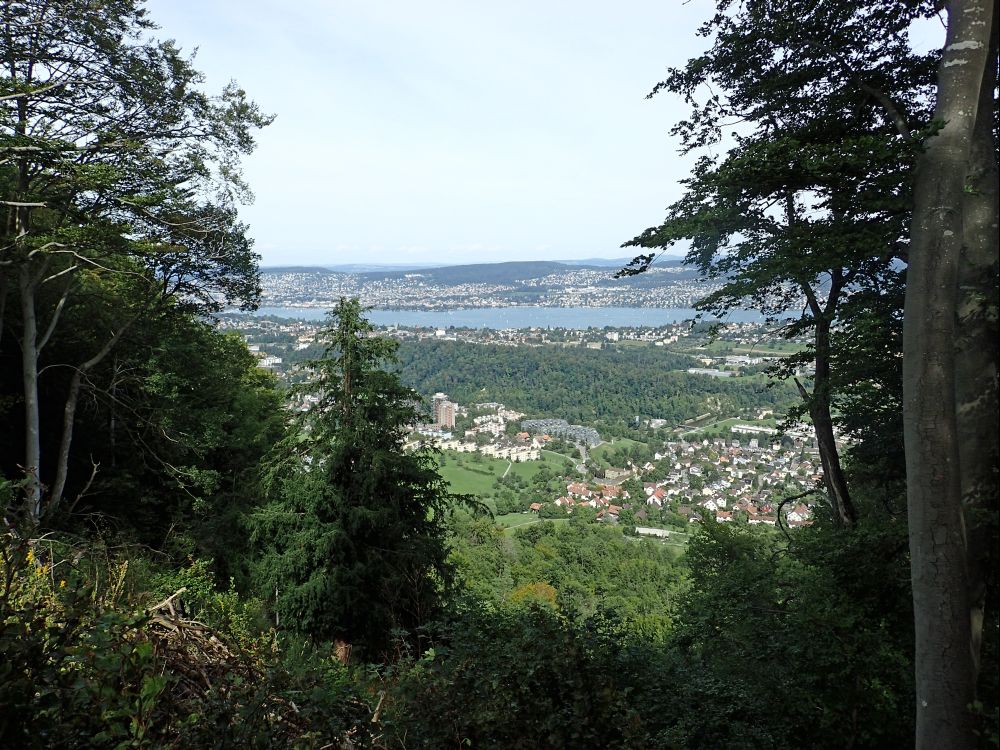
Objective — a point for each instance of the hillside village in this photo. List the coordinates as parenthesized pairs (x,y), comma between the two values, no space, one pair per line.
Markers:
(745,478)
(725,480)
(689,477)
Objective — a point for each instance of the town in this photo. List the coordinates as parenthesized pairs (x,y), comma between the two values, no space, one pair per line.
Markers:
(420,290)
(282,345)
(750,477)
(713,466)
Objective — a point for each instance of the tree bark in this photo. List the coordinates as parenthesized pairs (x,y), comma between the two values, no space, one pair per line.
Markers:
(69,416)
(29,379)
(818,402)
(819,412)
(944,664)
(977,354)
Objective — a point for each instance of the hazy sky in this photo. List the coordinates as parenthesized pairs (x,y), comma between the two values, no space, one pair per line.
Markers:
(437,131)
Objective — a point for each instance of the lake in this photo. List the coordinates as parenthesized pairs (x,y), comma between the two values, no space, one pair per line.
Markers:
(523,317)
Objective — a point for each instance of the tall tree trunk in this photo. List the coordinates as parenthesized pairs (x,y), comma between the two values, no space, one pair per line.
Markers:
(29,379)
(819,411)
(944,664)
(977,354)
(69,415)
(818,401)
(4,291)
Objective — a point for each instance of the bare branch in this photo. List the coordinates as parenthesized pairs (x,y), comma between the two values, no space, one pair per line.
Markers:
(45,248)
(63,272)
(802,389)
(26,94)
(54,320)
(168,602)
(792,499)
(86,487)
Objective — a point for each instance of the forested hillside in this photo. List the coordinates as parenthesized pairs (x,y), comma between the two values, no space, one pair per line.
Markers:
(193,558)
(584,385)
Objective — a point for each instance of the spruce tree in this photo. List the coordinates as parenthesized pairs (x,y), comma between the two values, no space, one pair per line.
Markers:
(354,533)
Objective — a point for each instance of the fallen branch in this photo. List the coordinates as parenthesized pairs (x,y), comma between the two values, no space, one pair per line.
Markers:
(168,602)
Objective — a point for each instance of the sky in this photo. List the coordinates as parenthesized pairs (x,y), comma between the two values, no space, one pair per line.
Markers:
(449,131)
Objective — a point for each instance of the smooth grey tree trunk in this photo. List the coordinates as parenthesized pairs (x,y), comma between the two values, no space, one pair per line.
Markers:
(945,669)
(977,352)
(29,378)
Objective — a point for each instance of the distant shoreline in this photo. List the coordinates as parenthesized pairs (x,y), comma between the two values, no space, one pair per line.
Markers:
(522,316)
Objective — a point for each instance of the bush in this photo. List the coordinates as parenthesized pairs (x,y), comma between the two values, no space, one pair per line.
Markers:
(512,676)
(82,666)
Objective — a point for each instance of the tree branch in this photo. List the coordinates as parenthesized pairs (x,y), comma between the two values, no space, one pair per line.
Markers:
(54,320)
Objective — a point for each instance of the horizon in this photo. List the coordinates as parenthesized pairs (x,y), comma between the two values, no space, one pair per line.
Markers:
(597,262)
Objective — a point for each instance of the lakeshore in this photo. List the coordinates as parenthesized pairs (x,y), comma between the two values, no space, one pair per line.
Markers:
(522,317)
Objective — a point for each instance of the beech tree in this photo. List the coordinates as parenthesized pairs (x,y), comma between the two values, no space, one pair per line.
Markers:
(810,203)
(950,380)
(119,178)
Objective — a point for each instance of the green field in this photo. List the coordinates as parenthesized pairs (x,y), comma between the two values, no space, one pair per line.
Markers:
(601,452)
(512,521)
(470,478)
(476,473)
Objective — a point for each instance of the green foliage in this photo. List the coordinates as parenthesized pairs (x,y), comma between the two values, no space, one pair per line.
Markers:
(180,421)
(806,215)
(514,676)
(797,619)
(583,386)
(591,568)
(353,538)
(83,665)
(119,183)
(73,675)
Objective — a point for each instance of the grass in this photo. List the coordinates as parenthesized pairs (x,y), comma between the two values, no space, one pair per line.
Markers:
(512,521)
(471,478)
(602,451)
(476,477)
(554,461)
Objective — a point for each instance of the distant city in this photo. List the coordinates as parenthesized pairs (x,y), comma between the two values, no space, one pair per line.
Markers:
(536,283)
(685,479)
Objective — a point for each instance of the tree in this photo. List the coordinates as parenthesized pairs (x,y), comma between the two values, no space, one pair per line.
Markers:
(950,379)
(810,204)
(353,536)
(741,626)
(119,179)
(178,426)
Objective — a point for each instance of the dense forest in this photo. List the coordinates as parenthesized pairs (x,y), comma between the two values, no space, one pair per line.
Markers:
(585,386)
(192,558)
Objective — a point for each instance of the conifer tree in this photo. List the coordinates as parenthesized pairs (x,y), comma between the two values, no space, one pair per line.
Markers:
(353,536)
